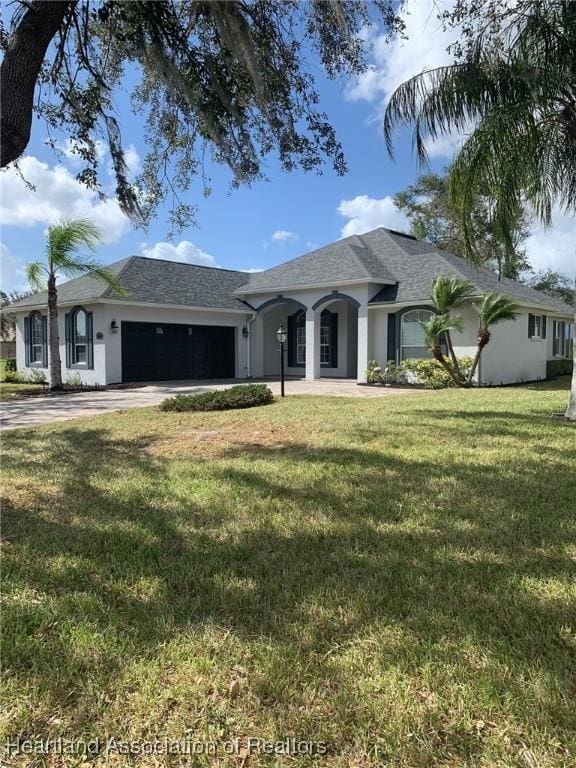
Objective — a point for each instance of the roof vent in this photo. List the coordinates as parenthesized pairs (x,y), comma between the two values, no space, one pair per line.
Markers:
(402,234)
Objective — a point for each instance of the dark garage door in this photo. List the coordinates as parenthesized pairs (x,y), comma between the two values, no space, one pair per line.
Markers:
(170,351)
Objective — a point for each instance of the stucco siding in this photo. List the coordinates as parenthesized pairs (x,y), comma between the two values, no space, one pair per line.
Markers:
(511,356)
(108,350)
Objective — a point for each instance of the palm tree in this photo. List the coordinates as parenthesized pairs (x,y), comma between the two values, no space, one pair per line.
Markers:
(65,238)
(436,328)
(495,309)
(516,86)
(449,292)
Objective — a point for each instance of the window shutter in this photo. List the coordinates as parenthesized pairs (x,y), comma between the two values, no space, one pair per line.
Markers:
(543,326)
(68,335)
(291,341)
(44,341)
(89,340)
(334,340)
(530,326)
(391,351)
(27,341)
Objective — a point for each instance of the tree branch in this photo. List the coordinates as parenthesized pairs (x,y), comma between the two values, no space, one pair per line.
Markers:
(25,51)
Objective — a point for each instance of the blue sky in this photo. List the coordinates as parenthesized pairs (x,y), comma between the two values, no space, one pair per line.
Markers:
(258,227)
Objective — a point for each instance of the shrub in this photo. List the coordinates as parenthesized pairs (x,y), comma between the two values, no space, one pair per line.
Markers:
(73,380)
(373,372)
(240,396)
(36,377)
(33,377)
(562,367)
(430,374)
(426,373)
(10,364)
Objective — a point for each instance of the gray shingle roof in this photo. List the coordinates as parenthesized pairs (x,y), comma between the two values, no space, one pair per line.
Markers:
(344,260)
(416,264)
(403,266)
(155,281)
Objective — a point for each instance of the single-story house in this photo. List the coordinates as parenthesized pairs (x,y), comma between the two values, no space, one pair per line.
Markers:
(352,301)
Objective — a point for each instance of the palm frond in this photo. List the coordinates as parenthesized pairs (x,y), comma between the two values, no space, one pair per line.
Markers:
(66,237)
(90,268)
(449,291)
(497,308)
(36,273)
(438,325)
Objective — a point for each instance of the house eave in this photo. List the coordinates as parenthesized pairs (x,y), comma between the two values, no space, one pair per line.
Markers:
(310,286)
(556,311)
(150,304)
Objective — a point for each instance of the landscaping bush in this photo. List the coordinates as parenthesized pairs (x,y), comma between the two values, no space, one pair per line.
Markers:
(17,377)
(240,396)
(425,373)
(10,364)
(431,375)
(555,368)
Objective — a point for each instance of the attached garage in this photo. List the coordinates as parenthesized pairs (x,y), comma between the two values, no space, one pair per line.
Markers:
(174,351)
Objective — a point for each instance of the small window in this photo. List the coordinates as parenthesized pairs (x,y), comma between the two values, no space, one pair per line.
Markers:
(79,338)
(536,326)
(412,336)
(301,338)
(35,332)
(36,340)
(79,343)
(328,339)
(561,339)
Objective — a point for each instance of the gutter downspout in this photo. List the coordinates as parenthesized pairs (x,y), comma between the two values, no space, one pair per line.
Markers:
(249,346)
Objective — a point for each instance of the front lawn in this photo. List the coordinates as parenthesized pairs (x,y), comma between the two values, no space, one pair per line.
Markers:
(395,577)
(10,391)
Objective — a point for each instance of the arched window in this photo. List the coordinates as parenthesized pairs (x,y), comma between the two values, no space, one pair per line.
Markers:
(300,340)
(412,337)
(79,337)
(79,353)
(328,339)
(35,333)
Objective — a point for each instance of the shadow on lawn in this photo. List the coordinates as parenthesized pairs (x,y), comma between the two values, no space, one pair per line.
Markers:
(459,574)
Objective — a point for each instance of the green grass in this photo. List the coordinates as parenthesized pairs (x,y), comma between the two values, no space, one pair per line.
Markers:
(395,576)
(18,391)
(9,391)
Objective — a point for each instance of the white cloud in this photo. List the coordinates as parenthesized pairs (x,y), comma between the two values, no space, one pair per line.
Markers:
(284,236)
(366,213)
(184,251)
(398,60)
(12,273)
(554,248)
(56,194)
(75,161)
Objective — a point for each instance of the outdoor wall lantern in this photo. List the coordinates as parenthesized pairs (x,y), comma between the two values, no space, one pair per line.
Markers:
(281,335)
(114,326)
(245,332)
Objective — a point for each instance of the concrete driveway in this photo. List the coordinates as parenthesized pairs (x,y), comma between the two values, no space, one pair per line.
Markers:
(31,411)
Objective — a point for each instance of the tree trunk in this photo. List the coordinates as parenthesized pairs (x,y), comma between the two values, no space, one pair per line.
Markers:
(55,362)
(571,409)
(483,339)
(455,363)
(23,57)
(439,357)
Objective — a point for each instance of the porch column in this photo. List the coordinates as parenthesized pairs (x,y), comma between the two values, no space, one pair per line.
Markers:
(362,342)
(312,344)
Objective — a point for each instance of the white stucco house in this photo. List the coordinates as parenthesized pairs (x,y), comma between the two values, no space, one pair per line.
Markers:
(354,300)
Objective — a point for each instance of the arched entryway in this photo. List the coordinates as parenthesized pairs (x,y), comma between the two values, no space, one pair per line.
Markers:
(336,335)
(265,348)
